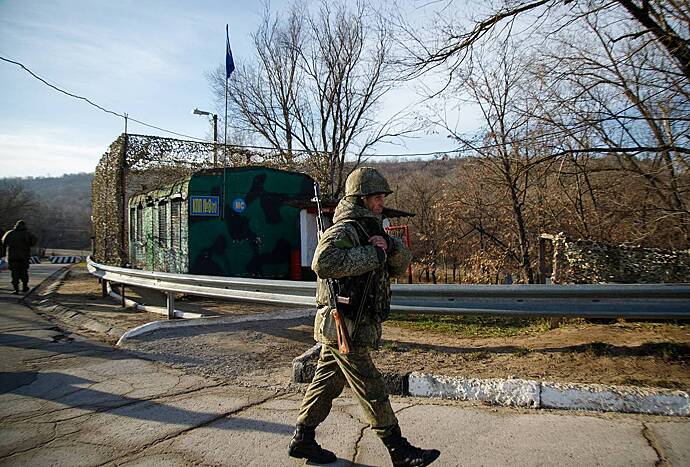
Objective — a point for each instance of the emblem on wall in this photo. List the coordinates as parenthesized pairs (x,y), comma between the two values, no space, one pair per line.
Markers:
(239,205)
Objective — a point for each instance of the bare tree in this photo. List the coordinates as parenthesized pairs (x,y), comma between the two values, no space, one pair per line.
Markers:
(607,93)
(15,203)
(621,98)
(421,195)
(665,21)
(508,147)
(315,88)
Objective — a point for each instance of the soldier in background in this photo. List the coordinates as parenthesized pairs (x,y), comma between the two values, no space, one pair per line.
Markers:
(18,242)
(361,257)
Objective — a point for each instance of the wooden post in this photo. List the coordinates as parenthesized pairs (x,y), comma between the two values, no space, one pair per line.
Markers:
(555,321)
(542,261)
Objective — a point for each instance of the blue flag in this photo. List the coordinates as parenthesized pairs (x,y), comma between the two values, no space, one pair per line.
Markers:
(229,62)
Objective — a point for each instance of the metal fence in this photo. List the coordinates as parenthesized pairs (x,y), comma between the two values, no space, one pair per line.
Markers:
(631,301)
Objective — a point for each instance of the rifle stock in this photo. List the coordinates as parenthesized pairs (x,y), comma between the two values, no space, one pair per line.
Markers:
(344,343)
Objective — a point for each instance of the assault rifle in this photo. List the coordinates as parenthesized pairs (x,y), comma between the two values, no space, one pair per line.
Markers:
(344,342)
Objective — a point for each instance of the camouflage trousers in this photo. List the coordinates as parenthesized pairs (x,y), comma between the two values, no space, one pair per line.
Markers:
(19,274)
(357,370)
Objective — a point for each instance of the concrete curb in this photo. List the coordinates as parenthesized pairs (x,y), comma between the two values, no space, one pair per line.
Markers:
(304,367)
(550,395)
(41,300)
(515,392)
(214,320)
(604,398)
(521,392)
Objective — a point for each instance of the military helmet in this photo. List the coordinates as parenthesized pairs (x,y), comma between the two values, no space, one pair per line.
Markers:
(366,181)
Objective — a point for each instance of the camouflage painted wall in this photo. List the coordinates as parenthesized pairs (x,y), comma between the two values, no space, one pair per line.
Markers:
(588,262)
(256,233)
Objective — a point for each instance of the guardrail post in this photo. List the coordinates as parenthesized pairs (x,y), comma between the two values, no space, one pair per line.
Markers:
(122,291)
(171,305)
(104,287)
(555,322)
(542,261)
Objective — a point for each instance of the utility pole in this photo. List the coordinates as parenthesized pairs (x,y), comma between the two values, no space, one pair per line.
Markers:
(215,132)
(215,139)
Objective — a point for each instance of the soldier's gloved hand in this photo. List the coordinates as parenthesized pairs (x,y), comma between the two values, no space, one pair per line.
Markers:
(380,243)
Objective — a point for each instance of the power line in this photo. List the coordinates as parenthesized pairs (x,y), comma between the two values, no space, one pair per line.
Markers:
(163,129)
(90,102)
(577,128)
(467,144)
(58,89)
(265,148)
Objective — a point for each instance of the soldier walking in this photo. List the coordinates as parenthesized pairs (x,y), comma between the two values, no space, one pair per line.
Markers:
(18,243)
(360,257)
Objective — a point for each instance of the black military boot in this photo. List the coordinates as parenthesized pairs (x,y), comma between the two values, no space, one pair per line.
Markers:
(303,446)
(403,454)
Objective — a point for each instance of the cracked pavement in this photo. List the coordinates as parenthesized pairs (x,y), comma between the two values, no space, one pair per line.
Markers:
(68,400)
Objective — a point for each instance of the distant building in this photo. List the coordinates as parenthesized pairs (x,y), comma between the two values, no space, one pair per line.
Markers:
(239,222)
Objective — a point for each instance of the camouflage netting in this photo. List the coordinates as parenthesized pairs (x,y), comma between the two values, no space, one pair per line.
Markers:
(588,262)
(136,163)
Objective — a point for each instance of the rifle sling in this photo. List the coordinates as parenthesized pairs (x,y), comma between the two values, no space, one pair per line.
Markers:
(358,316)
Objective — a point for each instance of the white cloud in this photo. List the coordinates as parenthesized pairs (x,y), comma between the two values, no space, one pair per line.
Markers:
(22,156)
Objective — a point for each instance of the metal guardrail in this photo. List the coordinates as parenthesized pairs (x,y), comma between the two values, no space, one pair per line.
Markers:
(632,301)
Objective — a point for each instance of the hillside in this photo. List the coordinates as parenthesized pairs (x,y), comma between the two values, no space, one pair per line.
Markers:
(57,209)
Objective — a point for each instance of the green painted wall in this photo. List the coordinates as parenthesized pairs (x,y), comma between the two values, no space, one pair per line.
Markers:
(149,250)
(254,234)
(257,230)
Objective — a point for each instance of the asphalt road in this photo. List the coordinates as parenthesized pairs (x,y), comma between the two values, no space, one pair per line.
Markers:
(66,400)
(37,273)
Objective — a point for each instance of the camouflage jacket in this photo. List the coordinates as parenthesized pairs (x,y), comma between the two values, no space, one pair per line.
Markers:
(342,252)
(18,243)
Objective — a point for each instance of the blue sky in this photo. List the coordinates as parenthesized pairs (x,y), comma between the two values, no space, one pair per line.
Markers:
(147,58)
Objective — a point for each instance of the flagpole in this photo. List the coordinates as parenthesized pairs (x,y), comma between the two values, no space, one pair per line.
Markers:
(229,67)
(225,136)
(225,130)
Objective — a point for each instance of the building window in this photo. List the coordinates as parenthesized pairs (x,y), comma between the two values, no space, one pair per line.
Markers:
(132,224)
(163,224)
(140,224)
(175,223)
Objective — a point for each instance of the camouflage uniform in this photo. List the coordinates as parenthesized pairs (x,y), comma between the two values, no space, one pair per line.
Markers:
(18,243)
(344,251)
(363,271)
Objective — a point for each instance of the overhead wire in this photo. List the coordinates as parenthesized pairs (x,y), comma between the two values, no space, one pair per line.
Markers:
(458,150)
(90,102)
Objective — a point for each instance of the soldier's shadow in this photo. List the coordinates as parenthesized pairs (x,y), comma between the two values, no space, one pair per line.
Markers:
(343,463)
